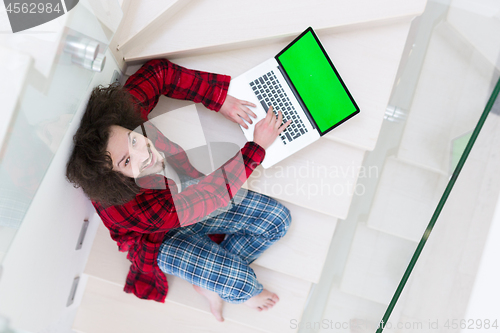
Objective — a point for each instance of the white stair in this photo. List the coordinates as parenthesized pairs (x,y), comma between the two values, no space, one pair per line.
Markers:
(321,177)
(201,26)
(376,264)
(349,313)
(302,252)
(109,265)
(405,200)
(141,19)
(106,308)
(44,37)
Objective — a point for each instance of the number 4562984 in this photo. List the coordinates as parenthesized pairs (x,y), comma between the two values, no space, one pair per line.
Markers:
(33,8)
(471,324)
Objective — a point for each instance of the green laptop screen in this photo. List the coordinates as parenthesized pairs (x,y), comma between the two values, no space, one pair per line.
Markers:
(317,83)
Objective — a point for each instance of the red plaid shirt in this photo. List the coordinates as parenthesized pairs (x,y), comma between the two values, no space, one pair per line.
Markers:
(139,226)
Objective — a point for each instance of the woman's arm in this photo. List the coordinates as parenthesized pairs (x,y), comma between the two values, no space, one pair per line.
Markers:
(162,77)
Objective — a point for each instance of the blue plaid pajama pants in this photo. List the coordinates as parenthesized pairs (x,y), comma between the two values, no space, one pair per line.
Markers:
(251,226)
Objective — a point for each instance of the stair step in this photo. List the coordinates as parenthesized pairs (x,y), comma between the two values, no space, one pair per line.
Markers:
(405,200)
(143,18)
(302,252)
(321,177)
(106,308)
(107,263)
(369,78)
(375,265)
(280,18)
(292,292)
(346,311)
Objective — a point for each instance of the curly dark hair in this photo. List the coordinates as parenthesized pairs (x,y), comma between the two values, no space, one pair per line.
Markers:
(90,164)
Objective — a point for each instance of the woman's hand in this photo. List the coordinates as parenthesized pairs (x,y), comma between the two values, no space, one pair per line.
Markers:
(236,110)
(268,129)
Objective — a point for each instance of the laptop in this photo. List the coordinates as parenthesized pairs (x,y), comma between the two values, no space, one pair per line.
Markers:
(302,82)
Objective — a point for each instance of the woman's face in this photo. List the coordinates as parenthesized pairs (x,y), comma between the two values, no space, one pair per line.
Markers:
(133,154)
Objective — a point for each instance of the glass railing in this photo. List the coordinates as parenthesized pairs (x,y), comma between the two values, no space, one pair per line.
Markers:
(51,67)
(405,258)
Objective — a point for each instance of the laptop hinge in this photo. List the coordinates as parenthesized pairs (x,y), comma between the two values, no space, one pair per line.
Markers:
(297,97)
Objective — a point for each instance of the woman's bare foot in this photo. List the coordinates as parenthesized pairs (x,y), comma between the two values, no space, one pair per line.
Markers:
(214,300)
(263,301)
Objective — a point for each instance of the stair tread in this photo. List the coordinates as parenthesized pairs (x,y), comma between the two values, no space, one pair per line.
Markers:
(105,305)
(138,15)
(369,78)
(143,16)
(292,292)
(321,177)
(303,250)
(106,263)
(180,34)
(368,61)
(348,311)
(375,264)
(405,200)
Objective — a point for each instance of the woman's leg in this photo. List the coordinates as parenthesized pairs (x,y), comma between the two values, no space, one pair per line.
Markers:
(201,262)
(251,226)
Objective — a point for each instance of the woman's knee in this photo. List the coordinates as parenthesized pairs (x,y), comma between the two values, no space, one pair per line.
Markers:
(281,219)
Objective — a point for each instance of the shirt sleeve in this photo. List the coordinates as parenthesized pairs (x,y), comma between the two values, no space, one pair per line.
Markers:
(162,77)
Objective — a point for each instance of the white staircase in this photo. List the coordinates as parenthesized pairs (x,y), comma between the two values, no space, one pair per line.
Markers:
(365,40)
(454,85)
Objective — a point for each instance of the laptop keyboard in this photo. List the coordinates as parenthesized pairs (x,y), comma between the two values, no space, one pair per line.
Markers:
(270,93)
